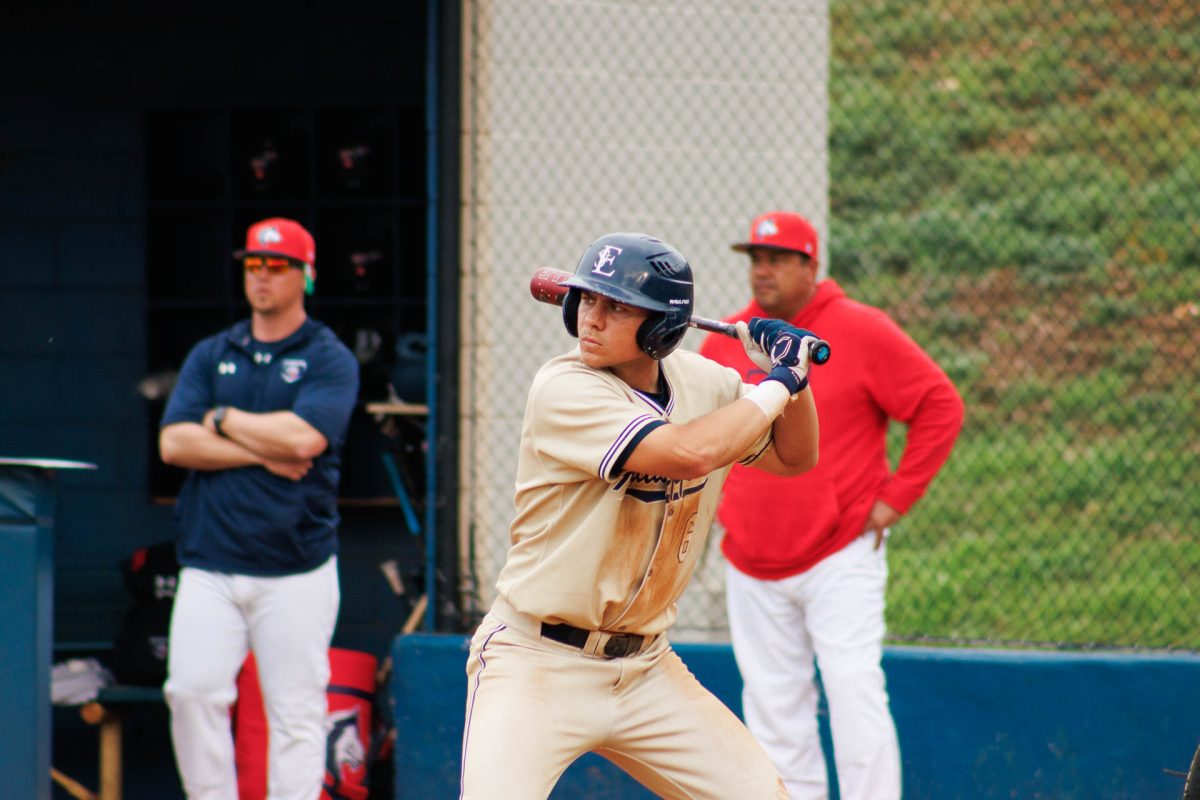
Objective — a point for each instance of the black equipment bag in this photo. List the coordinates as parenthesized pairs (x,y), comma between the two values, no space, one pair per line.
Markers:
(140,651)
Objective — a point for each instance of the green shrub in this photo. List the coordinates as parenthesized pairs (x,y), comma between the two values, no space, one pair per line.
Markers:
(1101,310)
(1056,256)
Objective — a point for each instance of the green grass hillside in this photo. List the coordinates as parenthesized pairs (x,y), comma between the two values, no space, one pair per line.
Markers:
(1019,186)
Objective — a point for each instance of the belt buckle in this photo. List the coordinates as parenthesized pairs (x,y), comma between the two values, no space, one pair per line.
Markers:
(620,645)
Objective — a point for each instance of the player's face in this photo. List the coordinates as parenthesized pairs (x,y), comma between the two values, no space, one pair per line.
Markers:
(273,285)
(782,281)
(608,332)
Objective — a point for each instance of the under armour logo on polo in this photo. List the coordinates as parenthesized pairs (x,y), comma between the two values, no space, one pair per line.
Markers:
(226,368)
(605,258)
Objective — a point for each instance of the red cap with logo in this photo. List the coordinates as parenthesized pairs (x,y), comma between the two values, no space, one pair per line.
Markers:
(280,237)
(781,230)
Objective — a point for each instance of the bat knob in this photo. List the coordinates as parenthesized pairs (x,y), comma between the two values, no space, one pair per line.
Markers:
(819,351)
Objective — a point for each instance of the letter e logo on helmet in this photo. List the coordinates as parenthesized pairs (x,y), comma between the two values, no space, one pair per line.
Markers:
(605,258)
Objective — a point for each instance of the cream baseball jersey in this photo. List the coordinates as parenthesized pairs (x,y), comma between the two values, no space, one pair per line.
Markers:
(593,545)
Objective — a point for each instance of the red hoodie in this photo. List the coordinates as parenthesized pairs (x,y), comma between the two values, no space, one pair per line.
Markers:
(777,527)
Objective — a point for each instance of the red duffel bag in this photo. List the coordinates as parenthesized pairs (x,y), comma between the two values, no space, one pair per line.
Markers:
(351,693)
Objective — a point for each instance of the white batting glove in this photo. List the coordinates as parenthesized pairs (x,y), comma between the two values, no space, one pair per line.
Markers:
(761,359)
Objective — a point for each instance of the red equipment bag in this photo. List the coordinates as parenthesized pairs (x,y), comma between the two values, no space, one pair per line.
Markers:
(351,693)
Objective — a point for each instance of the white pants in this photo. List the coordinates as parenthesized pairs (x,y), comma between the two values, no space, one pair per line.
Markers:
(288,622)
(833,613)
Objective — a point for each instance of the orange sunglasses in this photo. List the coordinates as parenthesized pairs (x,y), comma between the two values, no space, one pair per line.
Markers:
(276,265)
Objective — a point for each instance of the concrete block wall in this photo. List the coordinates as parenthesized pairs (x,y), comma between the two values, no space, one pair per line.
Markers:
(584,117)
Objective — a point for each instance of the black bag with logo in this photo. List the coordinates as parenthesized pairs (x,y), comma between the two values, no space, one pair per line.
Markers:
(140,648)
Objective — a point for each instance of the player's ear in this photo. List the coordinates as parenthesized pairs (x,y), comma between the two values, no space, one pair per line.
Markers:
(310,279)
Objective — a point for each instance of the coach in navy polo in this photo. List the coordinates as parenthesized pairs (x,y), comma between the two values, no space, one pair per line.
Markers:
(258,416)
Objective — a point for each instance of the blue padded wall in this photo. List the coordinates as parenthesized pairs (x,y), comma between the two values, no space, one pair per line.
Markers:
(972,724)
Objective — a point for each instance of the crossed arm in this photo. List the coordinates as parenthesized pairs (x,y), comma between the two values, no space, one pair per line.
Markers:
(279,441)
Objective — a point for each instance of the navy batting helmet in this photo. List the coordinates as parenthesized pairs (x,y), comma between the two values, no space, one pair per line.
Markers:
(640,271)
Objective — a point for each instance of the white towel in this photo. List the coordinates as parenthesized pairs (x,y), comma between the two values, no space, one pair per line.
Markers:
(77,680)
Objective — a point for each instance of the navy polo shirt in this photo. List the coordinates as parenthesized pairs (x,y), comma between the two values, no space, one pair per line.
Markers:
(247,520)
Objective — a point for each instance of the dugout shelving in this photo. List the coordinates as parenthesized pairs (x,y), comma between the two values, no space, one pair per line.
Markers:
(354,176)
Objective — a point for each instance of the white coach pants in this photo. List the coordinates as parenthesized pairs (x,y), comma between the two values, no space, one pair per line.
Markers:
(288,622)
(833,613)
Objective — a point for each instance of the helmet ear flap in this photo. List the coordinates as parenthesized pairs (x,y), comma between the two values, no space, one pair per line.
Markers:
(657,336)
(648,335)
(570,312)
(670,339)
(660,334)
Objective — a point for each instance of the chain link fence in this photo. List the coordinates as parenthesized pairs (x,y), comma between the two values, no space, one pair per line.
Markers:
(1017,184)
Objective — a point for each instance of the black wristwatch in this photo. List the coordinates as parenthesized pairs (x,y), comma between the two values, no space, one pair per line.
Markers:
(218,418)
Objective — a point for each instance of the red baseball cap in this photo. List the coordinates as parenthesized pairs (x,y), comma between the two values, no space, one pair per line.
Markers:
(280,237)
(781,230)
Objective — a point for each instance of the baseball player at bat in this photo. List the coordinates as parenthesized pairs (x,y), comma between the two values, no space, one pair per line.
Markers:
(806,556)
(625,444)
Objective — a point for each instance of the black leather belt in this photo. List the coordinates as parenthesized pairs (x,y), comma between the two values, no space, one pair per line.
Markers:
(618,645)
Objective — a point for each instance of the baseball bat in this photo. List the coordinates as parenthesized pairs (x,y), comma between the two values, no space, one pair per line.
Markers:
(546,287)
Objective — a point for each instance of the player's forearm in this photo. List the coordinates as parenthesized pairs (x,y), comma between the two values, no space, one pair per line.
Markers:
(723,436)
(190,446)
(796,433)
(697,448)
(726,434)
(275,435)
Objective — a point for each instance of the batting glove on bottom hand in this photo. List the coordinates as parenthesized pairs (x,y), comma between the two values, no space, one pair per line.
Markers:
(757,354)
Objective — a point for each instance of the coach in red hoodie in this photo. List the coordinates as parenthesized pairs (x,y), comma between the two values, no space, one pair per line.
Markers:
(807,557)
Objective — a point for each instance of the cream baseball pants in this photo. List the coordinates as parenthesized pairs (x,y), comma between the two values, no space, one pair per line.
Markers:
(535,705)
(833,614)
(288,622)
